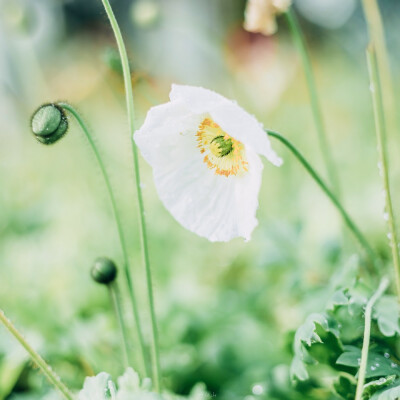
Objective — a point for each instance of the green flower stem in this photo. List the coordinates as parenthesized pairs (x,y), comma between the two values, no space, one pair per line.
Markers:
(377,36)
(349,222)
(122,239)
(367,332)
(52,377)
(380,128)
(155,359)
(315,103)
(116,302)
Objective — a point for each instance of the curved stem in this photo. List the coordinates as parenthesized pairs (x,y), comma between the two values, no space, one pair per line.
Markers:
(131,117)
(116,303)
(315,103)
(380,129)
(367,332)
(76,115)
(349,222)
(52,377)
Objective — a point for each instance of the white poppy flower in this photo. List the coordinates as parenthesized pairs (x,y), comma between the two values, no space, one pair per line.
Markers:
(204,152)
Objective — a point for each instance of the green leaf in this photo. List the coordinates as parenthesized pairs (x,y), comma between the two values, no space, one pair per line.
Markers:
(351,357)
(386,312)
(339,298)
(392,393)
(371,387)
(329,349)
(317,329)
(345,387)
(378,365)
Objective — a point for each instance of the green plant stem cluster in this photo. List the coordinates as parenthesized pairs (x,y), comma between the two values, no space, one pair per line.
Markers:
(131,118)
(314,100)
(54,113)
(120,230)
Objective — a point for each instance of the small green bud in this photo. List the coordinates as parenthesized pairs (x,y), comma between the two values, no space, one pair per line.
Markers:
(49,123)
(104,270)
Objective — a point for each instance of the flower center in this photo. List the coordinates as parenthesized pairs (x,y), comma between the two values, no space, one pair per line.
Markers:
(221,147)
(222,152)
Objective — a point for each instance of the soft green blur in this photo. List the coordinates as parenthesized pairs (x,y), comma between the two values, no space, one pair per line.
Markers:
(226,311)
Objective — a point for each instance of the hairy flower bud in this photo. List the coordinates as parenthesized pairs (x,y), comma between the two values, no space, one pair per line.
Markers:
(104,270)
(49,123)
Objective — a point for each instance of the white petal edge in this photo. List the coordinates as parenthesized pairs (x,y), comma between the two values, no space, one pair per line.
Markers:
(212,206)
(232,118)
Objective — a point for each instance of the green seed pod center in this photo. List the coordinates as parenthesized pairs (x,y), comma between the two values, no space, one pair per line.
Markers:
(220,146)
(49,123)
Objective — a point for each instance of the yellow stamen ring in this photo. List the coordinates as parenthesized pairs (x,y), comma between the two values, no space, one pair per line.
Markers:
(222,152)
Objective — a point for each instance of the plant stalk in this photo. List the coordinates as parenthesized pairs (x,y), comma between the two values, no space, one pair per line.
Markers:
(155,359)
(121,234)
(377,36)
(349,222)
(380,128)
(367,333)
(51,376)
(299,40)
(116,303)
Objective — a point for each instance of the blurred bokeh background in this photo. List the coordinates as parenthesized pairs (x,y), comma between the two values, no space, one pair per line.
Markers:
(226,311)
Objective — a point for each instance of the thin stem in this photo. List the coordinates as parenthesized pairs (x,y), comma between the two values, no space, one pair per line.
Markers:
(367,332)
(52,377)
(349,222)
(116,302)
(376,92)
(377,36)
(315,103)
(121,234)
(155,359)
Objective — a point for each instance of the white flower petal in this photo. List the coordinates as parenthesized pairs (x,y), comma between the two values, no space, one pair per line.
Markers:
(97,387)
(244,127)
(235,121)
(210,205)
(213,197)
(199,100)
(166,131)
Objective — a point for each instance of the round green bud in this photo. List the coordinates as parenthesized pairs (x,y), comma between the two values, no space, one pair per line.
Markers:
(49,123)
(104,270)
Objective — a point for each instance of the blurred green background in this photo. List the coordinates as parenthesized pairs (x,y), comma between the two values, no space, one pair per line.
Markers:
(227,311)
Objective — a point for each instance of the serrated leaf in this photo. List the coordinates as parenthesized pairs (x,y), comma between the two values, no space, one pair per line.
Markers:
(298,369)
(329,349)
(306,336)
(392,393)
(371,387)
(386,312)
